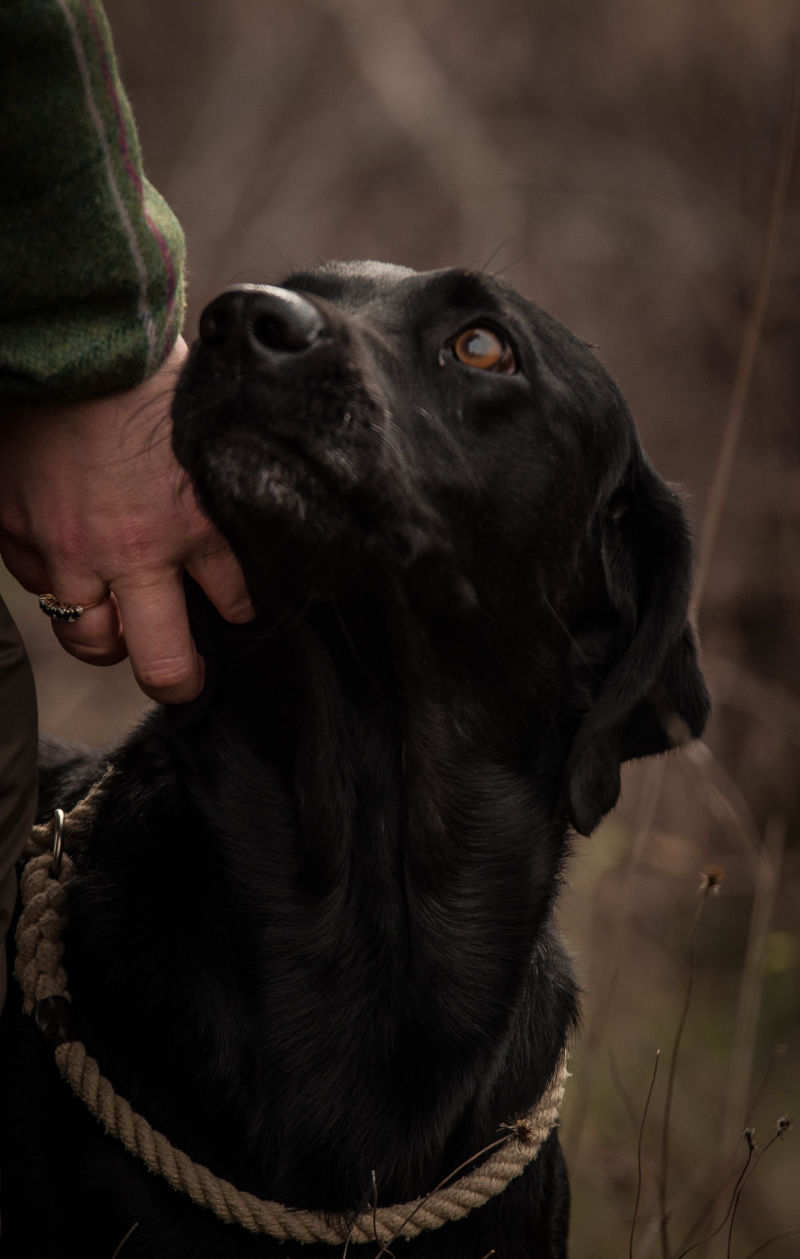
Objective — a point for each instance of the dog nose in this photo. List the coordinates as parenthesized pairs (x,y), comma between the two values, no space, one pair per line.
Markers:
(261,322)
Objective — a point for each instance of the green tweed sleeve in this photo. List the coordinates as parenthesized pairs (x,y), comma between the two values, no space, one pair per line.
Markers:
(91,257)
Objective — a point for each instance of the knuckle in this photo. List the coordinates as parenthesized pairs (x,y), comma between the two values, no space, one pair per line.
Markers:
(132,546)
(134,549)
(66,544)
(14,522)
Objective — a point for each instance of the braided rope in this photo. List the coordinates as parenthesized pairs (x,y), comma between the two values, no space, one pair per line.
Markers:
(41,976)
(80,815)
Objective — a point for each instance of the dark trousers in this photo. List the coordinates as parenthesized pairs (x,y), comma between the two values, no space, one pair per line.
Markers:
(18,787)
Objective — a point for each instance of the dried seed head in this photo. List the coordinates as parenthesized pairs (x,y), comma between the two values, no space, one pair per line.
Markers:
(783,1125)
(522,1129)
(710,879)
(750,1138)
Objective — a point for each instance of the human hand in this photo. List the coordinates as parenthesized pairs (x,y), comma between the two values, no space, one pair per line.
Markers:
(92,500)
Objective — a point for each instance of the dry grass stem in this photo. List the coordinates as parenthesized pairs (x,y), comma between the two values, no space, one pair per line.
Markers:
(384,1249)
(621,1091)
(741,1063)
(652,782)
(748,1135)
(125,1239)
(639,1155)
(778,1052)
(487,1149)
(740,1070)
(724,801)
(751,338)
(781,1128)
(710,886)
(411,85)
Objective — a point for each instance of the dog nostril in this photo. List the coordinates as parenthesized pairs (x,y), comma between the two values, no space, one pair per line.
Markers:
(269,330)
(281,334)
(285,322)
(214,327)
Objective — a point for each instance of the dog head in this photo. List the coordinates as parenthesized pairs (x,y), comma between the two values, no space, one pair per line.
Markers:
(366,423)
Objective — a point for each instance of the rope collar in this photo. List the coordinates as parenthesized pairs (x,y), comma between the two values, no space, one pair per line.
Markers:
(43,980)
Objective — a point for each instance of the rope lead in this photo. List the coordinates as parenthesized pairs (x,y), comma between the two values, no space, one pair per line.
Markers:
(43,980)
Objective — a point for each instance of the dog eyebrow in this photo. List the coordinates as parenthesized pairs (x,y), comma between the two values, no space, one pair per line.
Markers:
(466,289)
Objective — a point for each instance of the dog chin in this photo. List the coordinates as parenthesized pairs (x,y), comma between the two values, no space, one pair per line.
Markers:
(310,528)
(248,480)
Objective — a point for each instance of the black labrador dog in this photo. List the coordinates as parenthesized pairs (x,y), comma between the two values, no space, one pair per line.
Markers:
(310,930)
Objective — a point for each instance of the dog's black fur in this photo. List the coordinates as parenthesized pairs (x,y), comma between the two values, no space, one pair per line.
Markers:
(311,934)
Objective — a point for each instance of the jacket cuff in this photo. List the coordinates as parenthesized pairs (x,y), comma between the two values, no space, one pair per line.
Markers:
(91,256)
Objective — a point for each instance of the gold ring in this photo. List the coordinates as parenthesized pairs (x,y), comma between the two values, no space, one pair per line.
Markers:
(66,611)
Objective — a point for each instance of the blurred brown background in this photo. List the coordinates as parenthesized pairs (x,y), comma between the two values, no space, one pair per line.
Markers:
(616,161)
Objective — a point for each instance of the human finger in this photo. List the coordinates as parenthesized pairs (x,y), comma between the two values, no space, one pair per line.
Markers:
(94,634)
(219,575)
(165,661)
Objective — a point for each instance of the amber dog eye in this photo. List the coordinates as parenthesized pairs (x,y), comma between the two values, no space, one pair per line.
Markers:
(480,347)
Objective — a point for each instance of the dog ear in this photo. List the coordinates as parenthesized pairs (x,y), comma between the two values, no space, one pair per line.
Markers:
(653,697)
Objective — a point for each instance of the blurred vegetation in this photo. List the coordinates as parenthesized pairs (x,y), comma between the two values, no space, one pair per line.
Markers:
(617,161)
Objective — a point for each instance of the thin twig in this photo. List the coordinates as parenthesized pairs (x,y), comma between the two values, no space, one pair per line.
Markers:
(639,1154)
(751,338)
(126,1238)
(673,1065)
(652,780)
(746,1020)
(778,1051)
(780,1131)
(741,1061)
(621,1091)
(384,1250)
(733,1199)
(725,801)
(487,1149)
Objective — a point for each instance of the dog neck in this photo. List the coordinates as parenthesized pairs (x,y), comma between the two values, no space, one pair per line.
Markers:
(373,871)
(390,733)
